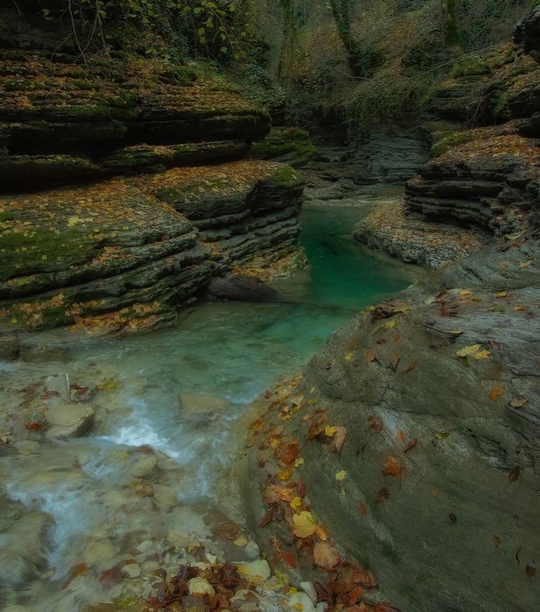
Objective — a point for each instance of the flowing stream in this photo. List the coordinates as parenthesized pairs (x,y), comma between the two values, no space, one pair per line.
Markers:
(151,485)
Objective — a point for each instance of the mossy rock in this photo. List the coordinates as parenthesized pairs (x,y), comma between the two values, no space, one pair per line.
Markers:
(290,145)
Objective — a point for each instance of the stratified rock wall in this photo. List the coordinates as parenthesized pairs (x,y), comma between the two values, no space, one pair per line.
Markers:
(136,249)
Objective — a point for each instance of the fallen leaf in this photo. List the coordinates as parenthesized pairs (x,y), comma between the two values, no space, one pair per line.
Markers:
(410,445)
(296,503)
(289,559)
(355,595)
(410,368)
(325,555)
(468,350)
(496,392)
(370,355)
(288,452)
(530,568)
(339,439)
(496,541)
(32,426)
(382,495)
(513,474)
(401,436)
(362,507)
(329,431)
(518,403)
(285,474)
(392,467)
(341,475)
(365,578)
(241,541)
(348,356)
(501,294)
(304,524)
(441,435)
(321,533)
(274,493)
(482,354)
(525,264)
(376,423)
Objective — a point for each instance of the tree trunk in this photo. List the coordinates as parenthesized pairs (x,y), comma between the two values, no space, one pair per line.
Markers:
(452,39)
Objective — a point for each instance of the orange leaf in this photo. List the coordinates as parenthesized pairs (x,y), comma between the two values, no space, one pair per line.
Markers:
(513,474)
(365,578)
(285,474)
(370,355)
(410,368)
(401,436)
(288,452)
(339,439)
(496,392)
(392,467)
(355,595)
(289,559)
(321,533)
(411,445)
(274,493)
(363,509)
(325,555)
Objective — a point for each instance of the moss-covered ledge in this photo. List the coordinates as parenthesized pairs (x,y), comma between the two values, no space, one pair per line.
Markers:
(128,252)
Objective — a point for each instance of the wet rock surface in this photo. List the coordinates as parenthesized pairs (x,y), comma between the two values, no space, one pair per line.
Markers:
(419,414)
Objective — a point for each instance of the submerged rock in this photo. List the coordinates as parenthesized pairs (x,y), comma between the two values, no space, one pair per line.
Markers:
(68,420)
(9,347)
(242,288)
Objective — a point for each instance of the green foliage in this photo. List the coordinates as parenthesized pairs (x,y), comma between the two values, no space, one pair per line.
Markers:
(170,29)
(385,100)
(290,142)
(444,141)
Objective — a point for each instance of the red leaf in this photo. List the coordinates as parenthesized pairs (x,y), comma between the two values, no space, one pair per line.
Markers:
(376,423)
(289,559)
(32,426)
(363,509)
(382,495)
(411,445)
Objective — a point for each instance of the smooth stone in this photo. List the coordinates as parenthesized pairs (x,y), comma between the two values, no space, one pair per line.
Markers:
(256,569)
(98,552)
(179,539)
(9,347)
(202,403)
(149,567)
(143,466)
(131,570)
(165,497)
(200,586)
(252,550)
(69,420)
(301,599)
(309,589)
(58,385)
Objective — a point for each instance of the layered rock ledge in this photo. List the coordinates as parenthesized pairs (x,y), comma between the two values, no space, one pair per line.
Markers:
(129,251)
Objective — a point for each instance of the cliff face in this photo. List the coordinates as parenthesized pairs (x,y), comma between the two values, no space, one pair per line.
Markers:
(126,252)
(481,183)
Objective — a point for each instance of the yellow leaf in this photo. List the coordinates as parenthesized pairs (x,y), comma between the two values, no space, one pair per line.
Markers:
(468,350)
(348,356)
(518,308)
(455,332)
(465,293)
(525,264)
(304,524)
(299,462)
(296,503)
(390,324)
(241,541)
(285,474)
(496,392)
(340,476)
(482,355)
(501,294)
(330,430)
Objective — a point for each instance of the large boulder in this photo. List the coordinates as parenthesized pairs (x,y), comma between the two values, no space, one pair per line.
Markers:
(527,33)
(415,433)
